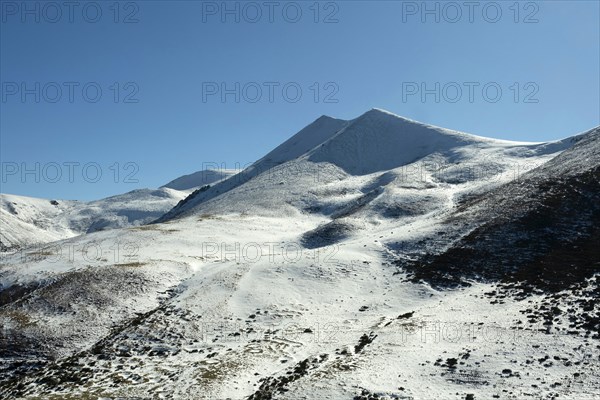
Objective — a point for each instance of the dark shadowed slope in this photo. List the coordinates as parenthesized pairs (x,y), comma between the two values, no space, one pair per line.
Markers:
(542,232)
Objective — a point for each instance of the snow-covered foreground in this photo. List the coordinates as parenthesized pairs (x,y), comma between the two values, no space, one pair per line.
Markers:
(288,281)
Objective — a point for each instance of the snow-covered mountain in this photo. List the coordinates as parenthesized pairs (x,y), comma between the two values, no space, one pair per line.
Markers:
(30,221)
(372,258)
(340,163)
(27,221)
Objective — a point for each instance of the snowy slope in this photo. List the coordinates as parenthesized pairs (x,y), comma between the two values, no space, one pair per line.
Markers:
(298,281)
(27,220)
(556,206)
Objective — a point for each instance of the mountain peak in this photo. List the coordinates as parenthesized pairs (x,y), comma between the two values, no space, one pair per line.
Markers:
(379,140)
(326,117)
(372,113)
(199,178)
(381,113)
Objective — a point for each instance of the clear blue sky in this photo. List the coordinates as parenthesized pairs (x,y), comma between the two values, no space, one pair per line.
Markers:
(363,54)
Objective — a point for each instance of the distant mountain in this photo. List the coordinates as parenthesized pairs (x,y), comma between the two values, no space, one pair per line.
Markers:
(29,221)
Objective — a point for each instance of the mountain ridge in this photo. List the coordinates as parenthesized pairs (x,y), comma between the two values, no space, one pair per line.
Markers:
(376,141)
